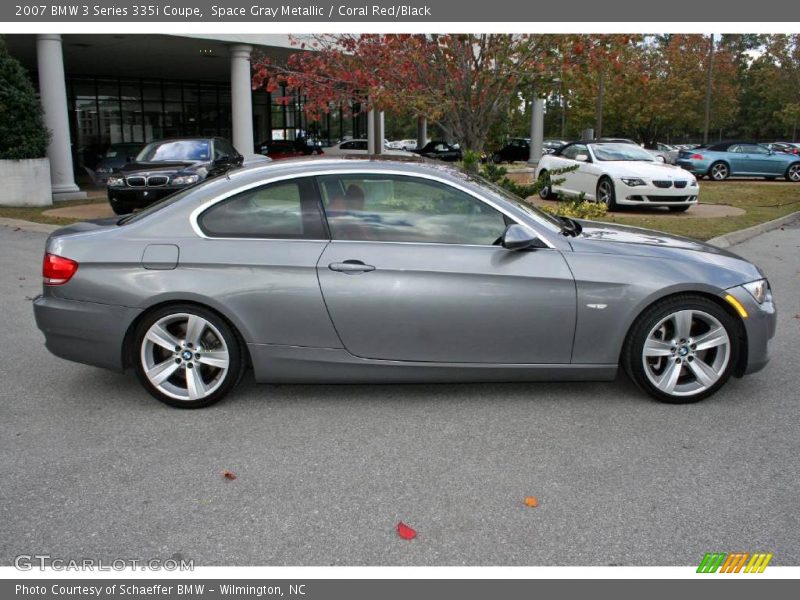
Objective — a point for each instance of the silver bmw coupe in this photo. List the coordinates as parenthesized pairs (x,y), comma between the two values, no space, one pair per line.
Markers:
(384,271)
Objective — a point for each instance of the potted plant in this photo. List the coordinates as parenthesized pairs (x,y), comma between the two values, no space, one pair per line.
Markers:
(24,168)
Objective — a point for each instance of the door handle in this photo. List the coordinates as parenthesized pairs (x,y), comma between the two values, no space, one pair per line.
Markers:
(351,267)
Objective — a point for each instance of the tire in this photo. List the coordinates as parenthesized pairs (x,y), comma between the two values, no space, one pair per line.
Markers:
(546,191)
(668,363)
(607,194)
(678,209)
(719,171)
(193,379)
(793,173)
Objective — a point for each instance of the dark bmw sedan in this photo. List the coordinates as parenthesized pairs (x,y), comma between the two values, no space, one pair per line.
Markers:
(382,271)
(165,166)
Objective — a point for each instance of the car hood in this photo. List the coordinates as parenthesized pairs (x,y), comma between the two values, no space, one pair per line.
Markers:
(645,169)
(622,240)
(172,166)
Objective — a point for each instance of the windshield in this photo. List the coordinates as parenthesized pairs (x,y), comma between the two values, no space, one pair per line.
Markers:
(624,152)
(176,150)
(540,216)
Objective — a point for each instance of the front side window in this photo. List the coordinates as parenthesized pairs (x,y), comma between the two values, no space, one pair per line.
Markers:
(281,210)
(397,208)
(574,150)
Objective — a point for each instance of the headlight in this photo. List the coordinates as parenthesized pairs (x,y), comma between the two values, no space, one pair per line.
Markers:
(632,181)
(115,181)
(693,183)
(759,290)
(185,179)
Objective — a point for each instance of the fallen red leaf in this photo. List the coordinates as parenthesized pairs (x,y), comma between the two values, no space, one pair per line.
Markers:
(797,316)
(229,475)
(532,501)
(405,532)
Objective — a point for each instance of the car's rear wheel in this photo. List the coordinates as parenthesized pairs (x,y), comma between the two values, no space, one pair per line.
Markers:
(678,208)
(187,356)
(682,349)
(607,194)
(546,186)
(719,171)
(793,173)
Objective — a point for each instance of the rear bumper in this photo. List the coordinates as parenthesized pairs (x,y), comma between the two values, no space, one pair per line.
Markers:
(696,167)
(84,332)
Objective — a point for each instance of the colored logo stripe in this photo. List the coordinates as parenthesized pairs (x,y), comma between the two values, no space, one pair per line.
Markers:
(733,563)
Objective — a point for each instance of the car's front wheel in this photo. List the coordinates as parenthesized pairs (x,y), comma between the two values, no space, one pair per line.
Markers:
(187,356)
(606,193)
(682,349)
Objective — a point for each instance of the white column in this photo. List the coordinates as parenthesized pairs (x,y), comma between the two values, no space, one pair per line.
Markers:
(53,93)
(537,131)
(241,98)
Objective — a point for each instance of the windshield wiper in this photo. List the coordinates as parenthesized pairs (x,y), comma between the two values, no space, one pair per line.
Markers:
(570,227)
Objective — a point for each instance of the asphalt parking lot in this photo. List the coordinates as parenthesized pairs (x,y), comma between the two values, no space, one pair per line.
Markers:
(92,466)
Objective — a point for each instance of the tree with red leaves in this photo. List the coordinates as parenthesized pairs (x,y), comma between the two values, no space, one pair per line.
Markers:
(464,83)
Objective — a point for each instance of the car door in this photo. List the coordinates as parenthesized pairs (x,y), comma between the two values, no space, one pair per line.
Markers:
(763,161)
(413,274)
(259,250)
(566,159)
(739,160)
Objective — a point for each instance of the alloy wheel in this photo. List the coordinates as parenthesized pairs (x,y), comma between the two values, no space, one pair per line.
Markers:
(719,172)
(605,192)
(686,353)
(184,356)
(794,172)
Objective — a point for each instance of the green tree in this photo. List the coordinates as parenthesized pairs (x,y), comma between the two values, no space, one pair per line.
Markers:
(22,131)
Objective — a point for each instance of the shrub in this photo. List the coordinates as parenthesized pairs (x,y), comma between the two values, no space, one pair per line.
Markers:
(577,208)
(470,161)
(22,131)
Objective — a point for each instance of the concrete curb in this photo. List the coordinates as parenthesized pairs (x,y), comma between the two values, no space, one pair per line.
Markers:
(737,237)
(28,225)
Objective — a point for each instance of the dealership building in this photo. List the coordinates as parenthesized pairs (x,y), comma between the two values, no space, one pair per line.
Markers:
(102,89)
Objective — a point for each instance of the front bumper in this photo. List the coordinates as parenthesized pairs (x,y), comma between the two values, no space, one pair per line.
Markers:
(138,197)
(84,332)
(759,325)
(652,195)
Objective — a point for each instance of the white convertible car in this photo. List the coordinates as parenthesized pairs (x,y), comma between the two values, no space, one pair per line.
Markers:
(616,174)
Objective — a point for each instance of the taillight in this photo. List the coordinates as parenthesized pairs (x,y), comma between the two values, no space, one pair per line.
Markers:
(57,270)
(696,157)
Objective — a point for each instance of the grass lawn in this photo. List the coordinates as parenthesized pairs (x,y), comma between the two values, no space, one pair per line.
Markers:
(763,201)
(34,213)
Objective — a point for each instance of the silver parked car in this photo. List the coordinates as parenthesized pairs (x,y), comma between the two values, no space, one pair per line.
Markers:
(357,270)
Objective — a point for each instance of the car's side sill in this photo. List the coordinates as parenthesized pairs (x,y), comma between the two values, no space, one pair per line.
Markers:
(299,364)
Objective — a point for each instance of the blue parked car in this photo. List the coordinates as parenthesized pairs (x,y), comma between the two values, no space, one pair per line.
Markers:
(720,161)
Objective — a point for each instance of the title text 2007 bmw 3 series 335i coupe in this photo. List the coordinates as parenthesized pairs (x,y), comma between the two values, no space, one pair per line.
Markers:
(386,271)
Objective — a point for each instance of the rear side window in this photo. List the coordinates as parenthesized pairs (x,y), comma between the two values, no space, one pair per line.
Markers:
(281,210)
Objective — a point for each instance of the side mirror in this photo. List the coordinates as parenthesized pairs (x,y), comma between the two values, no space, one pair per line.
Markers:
(517,237)
(582,158)
(130,158)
